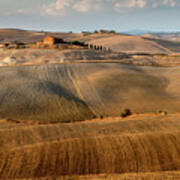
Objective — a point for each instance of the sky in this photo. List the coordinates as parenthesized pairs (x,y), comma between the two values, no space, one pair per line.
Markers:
(89,15)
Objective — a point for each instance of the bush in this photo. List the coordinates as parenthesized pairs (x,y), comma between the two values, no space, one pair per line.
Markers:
(126,112)
(78,43)
(164,113)
(112,31)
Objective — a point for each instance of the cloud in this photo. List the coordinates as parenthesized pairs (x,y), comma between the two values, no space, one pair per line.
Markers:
(82,6)
(57,8)
(24,12)
(171,3)
(61,7)
(131,4)
(88,5)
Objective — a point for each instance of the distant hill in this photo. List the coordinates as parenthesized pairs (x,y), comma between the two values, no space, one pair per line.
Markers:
(128,44)
(173,46)
(10,35)
(171,36)
(137,32)
(146,43)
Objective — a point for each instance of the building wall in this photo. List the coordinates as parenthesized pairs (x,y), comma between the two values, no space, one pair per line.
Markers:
(49,40)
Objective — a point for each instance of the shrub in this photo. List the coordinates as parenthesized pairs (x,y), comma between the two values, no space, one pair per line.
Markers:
(78,43)
(126,112)
(112,31)
(164,113)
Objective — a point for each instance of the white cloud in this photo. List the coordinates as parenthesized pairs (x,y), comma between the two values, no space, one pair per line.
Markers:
(146,3)
(172,3)
(57,8)
(140,3)
(61,7)
(167,3)
(82,6)
(131,4)
(87,5)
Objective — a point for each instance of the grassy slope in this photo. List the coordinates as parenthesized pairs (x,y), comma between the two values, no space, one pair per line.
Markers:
(75,92)
(128,44)
(136,144)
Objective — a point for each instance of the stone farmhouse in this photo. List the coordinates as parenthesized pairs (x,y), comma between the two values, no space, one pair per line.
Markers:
(50,40)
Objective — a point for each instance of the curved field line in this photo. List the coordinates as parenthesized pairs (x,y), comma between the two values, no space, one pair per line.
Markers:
(78,89)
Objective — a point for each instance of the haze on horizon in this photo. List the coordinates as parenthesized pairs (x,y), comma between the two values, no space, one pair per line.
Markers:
(82,15)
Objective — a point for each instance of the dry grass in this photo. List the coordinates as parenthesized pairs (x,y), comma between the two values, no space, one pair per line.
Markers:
(132,145)
(129,44)
(76,92)
(10,35)
(32,98)
(117,42)
(173,46)
(170,175)
(52,55)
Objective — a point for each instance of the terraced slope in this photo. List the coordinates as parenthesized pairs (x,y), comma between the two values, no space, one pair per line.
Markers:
(73,92)
(113,146)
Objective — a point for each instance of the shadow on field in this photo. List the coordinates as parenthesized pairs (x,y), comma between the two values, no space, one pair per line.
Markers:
(48,93)
(135,88)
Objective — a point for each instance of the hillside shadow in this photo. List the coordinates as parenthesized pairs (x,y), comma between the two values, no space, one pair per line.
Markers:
(52,88)
(133,79)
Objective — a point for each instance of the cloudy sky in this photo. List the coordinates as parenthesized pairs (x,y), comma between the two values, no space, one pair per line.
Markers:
(82,15)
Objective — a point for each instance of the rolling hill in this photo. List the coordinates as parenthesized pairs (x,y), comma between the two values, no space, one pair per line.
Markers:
(117,42)
(171,36)
(136,144)
(11,35)
(130,44)
(61,111)
(73,92)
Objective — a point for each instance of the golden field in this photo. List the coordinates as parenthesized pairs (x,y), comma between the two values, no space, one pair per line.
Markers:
(136,144)
(78,92)
(61,112)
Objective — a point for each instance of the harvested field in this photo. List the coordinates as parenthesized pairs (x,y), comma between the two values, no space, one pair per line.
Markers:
(117,42)
(49,56)
(131,145)
(28,56)
(170,175)
(62,113)
(129,44)
(75,92)
(173,46)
